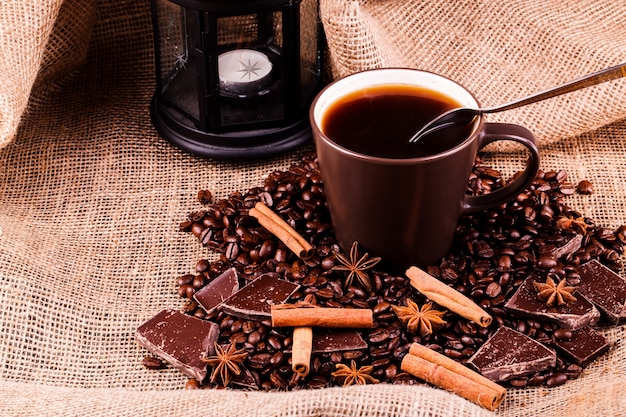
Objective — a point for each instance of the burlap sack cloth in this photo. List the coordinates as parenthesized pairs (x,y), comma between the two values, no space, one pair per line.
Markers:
(91,196)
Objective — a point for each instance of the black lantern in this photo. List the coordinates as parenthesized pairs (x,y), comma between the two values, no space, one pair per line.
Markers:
(235,78)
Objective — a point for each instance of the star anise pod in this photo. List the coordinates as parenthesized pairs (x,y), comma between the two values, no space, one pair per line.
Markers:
(226,362)
(577,225)
(352,375)
(553,293)
(423,319)
(356,267)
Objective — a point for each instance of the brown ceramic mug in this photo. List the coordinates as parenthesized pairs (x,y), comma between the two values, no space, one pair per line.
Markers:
(398,202)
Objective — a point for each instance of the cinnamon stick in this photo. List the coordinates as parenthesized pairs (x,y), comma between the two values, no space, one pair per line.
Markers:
(279,228)
(447,296)
(302,346)
(435,357)
(291,315)
(447,374)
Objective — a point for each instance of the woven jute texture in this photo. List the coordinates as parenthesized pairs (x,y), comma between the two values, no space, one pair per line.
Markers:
(91,196)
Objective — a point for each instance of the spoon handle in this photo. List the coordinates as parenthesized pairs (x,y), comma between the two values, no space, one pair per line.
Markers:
(608,74)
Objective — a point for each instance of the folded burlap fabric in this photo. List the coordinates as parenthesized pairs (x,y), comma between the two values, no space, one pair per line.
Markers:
(499,51)
(91,196)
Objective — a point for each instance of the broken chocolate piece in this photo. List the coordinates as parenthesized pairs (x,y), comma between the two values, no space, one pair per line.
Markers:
(337,340)
(572,244)
(218,290)
(573,315)
(604,288)
(181,340)
(510,354)
(254,300)
(245,380)
(584,346)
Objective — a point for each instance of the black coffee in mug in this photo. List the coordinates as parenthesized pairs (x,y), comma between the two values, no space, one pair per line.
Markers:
(379,120)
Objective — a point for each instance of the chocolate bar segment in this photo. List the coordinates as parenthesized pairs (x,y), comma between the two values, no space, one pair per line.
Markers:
(510,354)
(218,290)
(584,346)
(255,300)
(604,288)
(181,340)
(572,315)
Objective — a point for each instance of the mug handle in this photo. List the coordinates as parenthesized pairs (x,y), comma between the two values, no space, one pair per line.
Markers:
(493,132)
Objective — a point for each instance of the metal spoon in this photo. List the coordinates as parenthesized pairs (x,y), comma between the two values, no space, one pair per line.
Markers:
(466,115)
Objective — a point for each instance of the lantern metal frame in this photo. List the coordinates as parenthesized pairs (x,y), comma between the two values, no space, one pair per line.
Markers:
(268,121)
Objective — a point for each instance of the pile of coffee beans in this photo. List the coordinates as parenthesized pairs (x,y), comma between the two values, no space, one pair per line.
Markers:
(493,252)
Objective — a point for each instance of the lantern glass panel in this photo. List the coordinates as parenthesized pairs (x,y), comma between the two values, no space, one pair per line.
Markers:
(177,63)
(250,69)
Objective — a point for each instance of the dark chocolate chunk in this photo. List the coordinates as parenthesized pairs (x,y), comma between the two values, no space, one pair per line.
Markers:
(218,290)
(584,346)
(604,288)
(255,300)
(510,354)
(572,315)
(245,380)
(572,244)
(337,340)
(181,340)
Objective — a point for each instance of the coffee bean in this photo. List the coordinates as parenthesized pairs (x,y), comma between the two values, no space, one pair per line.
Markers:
(381,307)
(185,279)
(281,254)
(379,335)
(452,353)
(326,293)
(536,380)
(198,282)
(573,371)
(547,261)
(493,290)
(192,384)
(317,382)
(567,188)
(585,187)
(518,383)
(232,250)
(562,334)
(183,291)
(266,198)
(190,306)
(152,362)
(358,303)
(196,229)
(248,326)
(352,354)
(556,379)
(278,358)
(391,371)
(260,361)
(236,326)
(275,342)
(381,363)
(267,249)
(277,380)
